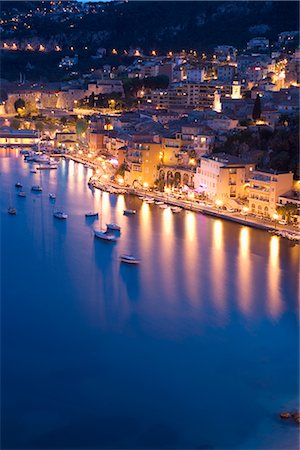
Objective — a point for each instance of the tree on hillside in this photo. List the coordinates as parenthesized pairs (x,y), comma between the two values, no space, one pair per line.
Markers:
(287,211)
(39,126)
(81,126)
(20,106)
(256,113)
(15,124)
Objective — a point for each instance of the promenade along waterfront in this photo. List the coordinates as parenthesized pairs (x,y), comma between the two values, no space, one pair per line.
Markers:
(195,348)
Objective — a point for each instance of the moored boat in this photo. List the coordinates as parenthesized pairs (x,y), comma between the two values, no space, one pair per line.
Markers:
(32,171)
(104,236)
(21,194)
(129,212)
(129,259)
(163,206)
(91,214)
(52,196)
(18,185)
(113,227)
(176,209)
(12,211)
(37,188)
(60,215)
(159,203)
(47,167)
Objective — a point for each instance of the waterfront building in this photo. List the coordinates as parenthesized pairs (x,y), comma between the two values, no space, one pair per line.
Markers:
(223,177)
(65,140)
(264,191)
(142,159)
(18,138)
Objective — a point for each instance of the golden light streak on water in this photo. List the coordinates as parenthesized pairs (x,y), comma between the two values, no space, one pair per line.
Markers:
(168,254)
(245,289)
(274,304)
(218,266)
(191,256)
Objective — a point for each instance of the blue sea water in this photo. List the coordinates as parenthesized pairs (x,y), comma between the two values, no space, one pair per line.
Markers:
(197,348)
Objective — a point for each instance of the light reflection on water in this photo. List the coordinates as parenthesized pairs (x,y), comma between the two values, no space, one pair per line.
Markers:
(205,320)
(274,304)
(244,275)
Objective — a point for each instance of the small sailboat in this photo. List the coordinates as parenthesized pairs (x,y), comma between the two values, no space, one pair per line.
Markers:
(104,236)
(12,211)
(113,227)
(129,259)
(129,212)
(18,185)
(91,214)
(37,188)
(52,196)
(60,215)
(21,194)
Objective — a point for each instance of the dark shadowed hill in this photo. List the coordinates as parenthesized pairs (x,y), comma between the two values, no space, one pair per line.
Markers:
(163,25)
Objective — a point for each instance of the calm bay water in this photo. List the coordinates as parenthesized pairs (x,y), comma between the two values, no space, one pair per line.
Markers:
(194,349)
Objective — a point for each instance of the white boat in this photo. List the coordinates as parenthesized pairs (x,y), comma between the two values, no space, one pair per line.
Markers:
(129,212)
(113,227)
(18,185)
(12,211)
(91,214)
(60,215)
(52,196)
(149,200)
(176,209)
(105,236)
(159,203)
(21,194)
(37,188)
(42,159)
(47,167)
(163,206)
(129,259)
(32,171)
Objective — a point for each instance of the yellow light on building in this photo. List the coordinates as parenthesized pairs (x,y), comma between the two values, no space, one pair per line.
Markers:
(219,203)
(146,185)
(114,51)
(275,216)
(192,162)
(57,48)
(153,53)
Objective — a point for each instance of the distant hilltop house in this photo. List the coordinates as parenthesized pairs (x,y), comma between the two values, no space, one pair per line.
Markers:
(258,44)
(225,53)
(68,61)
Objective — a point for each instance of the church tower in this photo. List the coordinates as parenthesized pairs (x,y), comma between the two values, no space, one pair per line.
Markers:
(236,90)
(217,106)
